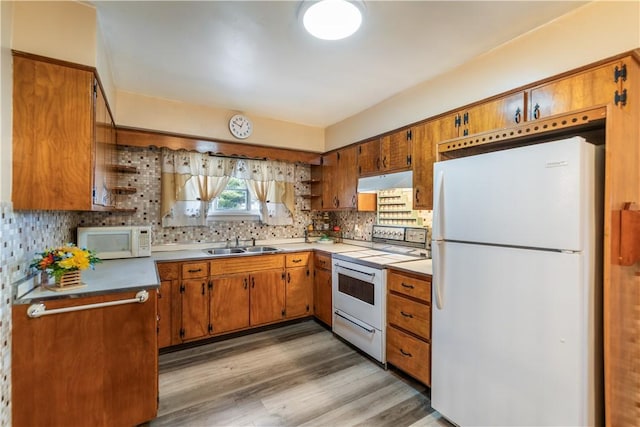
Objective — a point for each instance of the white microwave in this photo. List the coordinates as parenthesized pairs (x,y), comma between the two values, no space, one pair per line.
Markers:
(116,242)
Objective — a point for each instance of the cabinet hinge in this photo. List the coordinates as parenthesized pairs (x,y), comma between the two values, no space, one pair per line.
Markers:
(456,121)
(465,118)
(359,149)
(409,160)
(338,155)
(182,289)
(409,135)
(284,312)
(359,170)
(620,97)
(283,275)
(182,332)
(210,285)
(465,132)
(308,273)
(210,328)
(620,73)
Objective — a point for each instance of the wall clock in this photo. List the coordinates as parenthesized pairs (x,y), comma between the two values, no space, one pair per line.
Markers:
(240,126)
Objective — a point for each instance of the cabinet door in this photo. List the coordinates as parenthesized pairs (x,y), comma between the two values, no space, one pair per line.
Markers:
(100,191)
(497,114)
(195,309)
(586,89)
(395,151)
(322,300)
(229,303)
(347,178)
(52,136)
(266,297)
(164,313)
(299,292)
(425,141)
(329,180)
(93,367)
(369,157)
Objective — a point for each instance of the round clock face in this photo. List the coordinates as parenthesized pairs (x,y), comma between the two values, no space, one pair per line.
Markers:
(240,126)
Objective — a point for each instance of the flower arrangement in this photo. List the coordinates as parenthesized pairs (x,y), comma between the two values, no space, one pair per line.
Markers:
(63,259)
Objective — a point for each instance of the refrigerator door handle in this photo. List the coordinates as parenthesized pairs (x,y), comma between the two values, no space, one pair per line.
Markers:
(437,207)
(438,272)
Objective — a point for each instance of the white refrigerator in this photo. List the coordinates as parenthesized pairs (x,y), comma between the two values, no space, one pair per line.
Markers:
(517,283)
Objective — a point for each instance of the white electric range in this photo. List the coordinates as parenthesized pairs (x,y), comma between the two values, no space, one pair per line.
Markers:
(360,285)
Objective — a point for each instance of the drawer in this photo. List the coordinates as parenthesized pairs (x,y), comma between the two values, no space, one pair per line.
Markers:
(416,286)
(410,315)
(192,270)
(246,264)
(297,260)
(168,270)
(409,354)
(322,260)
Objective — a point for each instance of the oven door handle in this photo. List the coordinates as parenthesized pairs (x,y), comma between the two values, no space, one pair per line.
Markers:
(357,271)
(371,331)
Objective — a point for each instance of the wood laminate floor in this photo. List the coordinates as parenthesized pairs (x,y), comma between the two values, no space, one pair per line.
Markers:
(296,375)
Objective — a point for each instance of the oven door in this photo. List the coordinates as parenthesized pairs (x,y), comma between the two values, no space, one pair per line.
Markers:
(359,291)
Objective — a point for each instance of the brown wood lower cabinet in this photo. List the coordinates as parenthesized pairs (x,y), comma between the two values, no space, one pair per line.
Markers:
(223,295)
(322,299)
(96,367)
(409,323)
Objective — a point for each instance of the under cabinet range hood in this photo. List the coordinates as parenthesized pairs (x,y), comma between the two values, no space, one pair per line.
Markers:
(373,184)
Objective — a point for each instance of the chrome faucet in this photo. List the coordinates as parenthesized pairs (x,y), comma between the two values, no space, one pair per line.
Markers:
(253,241)
(237,241)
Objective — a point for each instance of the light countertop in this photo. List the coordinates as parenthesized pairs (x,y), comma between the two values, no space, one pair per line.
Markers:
(422,266)
(110,276)
(124,275)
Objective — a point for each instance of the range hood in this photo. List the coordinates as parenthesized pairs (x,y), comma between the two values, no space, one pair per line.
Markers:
(372,184)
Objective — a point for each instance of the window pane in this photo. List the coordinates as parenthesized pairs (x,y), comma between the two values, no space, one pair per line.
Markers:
(235,197)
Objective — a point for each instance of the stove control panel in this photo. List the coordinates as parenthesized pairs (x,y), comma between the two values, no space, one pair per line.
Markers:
(402,236)
(388,233)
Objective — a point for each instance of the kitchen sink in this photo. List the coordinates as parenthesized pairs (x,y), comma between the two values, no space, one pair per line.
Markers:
(261,249)
(224,251)
(243,250)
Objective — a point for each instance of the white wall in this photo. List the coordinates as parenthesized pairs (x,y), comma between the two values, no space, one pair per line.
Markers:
(6,90)
(146,112)
(593,32)
(63,30)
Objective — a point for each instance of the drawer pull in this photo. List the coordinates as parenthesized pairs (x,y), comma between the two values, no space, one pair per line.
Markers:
(297,260)
(404,285)
(195,270)
(406,314)
(404,353)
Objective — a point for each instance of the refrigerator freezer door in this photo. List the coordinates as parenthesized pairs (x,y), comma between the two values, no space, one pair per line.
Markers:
(534,196)
(513,339)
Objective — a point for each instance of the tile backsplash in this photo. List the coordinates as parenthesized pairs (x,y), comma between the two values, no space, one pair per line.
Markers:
(147,203)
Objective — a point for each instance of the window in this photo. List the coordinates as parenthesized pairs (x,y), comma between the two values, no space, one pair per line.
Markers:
(235,199)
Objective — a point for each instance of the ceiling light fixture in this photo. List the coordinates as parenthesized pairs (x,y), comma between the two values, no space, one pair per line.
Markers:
(332,19)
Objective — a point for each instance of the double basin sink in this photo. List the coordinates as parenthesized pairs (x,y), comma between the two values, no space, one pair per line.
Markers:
(254,250)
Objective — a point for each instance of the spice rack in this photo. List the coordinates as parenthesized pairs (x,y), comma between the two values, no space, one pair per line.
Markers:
(395,208)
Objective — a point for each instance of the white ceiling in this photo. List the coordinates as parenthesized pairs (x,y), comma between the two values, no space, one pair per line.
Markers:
(255,57)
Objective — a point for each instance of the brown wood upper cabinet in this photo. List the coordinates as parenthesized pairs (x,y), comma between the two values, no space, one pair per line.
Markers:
(339,179)
(600,85)
(58,114)
(494,114)
(390,153)
(425,140)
